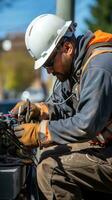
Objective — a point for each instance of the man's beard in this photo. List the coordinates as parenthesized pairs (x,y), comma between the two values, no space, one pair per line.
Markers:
(61,77)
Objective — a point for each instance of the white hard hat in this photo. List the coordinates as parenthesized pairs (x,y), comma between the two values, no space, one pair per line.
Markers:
(42,36)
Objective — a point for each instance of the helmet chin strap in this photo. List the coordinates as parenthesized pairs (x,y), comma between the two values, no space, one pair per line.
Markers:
(71,30)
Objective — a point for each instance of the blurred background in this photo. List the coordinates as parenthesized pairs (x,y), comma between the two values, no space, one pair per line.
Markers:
(18,79)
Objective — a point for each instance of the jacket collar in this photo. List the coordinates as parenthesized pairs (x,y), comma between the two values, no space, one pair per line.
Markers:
(81,48)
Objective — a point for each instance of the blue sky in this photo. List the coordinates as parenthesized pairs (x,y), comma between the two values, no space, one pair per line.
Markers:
(16,18)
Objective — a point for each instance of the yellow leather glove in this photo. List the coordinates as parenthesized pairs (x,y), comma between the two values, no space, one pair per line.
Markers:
(33,134)
(38,111)
(43,110)
(27,133)
(23,105)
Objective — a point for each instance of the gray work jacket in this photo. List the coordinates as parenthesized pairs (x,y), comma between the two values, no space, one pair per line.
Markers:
(77,114)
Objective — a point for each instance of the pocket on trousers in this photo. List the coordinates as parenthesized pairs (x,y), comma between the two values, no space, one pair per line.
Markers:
(96,156)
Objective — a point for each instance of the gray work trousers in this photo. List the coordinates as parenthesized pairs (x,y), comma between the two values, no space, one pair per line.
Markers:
(65,169)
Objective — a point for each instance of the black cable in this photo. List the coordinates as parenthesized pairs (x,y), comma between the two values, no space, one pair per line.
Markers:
(10,133)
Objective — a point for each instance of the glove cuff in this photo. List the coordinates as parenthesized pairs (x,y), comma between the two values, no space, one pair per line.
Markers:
(44,111)
(44,136)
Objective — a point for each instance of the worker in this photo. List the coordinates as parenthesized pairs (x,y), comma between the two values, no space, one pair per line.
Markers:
(74,126)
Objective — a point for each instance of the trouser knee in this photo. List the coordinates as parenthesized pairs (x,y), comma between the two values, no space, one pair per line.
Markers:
(44,176)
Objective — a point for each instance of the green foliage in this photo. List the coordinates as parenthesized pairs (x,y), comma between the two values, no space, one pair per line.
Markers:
(101,13)
(16,70)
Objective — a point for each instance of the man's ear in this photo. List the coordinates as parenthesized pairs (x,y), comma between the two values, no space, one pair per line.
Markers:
(68,48)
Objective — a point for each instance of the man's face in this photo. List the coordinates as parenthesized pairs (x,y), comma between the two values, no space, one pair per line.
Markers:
(59,63)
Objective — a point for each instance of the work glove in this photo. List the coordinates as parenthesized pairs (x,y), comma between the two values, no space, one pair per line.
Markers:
(37,111)
(33,134)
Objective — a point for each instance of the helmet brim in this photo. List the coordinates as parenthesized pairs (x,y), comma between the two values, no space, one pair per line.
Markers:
(41,61)
(38,64)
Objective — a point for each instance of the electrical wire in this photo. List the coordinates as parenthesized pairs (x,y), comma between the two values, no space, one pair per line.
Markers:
(56,84)
(27,154)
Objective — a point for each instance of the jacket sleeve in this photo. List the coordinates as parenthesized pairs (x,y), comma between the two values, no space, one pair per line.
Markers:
(93,110)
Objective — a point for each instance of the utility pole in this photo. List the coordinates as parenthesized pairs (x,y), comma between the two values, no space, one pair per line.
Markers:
(65,9)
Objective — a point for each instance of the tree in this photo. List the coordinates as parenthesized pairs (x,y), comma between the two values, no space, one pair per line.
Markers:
(101,13)
(16,70)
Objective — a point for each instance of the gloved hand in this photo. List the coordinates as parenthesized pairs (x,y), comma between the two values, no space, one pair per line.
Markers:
(38,111)
(27,133)
(23,105)
(33,134)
